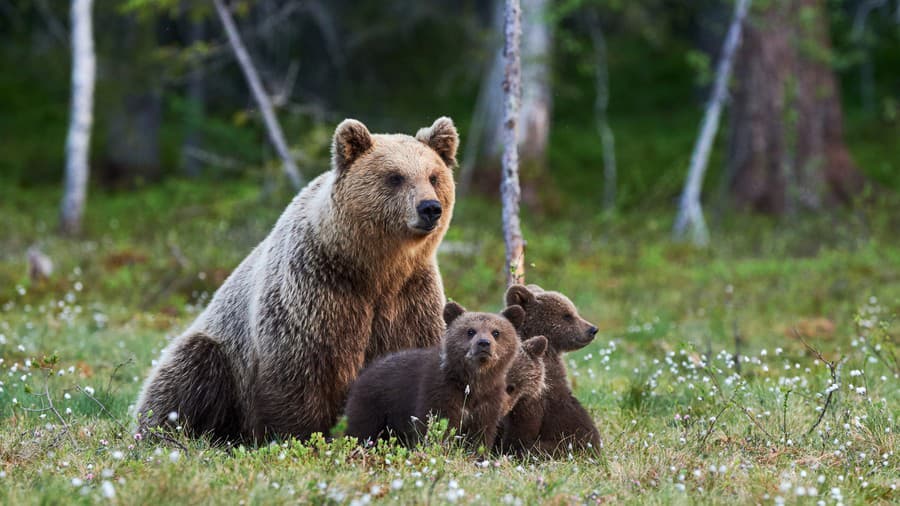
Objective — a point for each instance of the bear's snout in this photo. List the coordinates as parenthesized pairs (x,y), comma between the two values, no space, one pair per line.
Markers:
(481,350)
(429,213)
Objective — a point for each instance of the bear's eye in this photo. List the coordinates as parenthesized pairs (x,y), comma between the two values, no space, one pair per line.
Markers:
(568,317)
(433,180)
(395,180)
(510,389)
(471,332)
(495,333)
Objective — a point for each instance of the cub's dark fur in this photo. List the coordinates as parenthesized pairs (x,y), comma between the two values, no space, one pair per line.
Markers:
(555,420)
(526,376)
(462,380)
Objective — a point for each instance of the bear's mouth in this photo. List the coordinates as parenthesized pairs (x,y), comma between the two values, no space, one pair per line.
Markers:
(425,228)
(583,341)
(480,357)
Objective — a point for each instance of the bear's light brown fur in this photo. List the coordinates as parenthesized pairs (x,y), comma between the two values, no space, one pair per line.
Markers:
(348,273)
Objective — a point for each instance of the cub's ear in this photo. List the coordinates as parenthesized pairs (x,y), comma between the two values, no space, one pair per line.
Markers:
(535,288)
(519,295)
(442,137)
(515,315)
(452,311)
(351,139)
(535,346)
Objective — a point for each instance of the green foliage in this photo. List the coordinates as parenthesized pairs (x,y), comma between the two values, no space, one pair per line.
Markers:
(678,423)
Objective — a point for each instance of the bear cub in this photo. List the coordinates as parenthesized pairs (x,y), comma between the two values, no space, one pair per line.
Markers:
(526,377)
(463,380)
(555,421)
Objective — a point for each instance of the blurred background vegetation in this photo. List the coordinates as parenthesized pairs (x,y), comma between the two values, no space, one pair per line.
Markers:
(171,102)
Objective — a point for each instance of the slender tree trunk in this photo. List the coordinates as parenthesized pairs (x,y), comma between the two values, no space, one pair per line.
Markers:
(259,93)
(483,124)
(601,104)
(512,233)
(787,146)
(482,140)
(690,213)
(79,138)
(536,104)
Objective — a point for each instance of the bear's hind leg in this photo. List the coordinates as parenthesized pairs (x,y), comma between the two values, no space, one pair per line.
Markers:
(196,383)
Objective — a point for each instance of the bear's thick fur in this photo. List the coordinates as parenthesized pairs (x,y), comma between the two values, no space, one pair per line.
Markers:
(556,420)
(348,273)
(462,380)
(526,376)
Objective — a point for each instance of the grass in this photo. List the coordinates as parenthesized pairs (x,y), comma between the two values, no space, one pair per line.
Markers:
(680,423)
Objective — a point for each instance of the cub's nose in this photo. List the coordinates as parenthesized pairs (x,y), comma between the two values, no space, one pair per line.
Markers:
(593,331)
(429,211)
(483,344)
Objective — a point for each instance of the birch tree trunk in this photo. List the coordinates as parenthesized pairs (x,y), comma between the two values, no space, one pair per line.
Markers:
(690,213)
(536,102)
(81,118)
(259,93)
(601,104)
(509,189)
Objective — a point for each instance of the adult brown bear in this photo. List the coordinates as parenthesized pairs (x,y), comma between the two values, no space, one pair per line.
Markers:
(349,273)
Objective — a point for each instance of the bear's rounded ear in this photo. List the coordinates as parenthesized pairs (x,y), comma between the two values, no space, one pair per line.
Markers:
(515,314)
(452,311)
(351,139)
(442,137)
(519,295)
(535,288)
(535,346)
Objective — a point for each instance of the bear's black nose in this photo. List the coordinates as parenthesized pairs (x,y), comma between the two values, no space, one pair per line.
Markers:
(593,331)
(484,344)
(429,211)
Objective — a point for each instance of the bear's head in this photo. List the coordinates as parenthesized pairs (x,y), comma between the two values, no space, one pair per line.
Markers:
(480,343)
(551,314)
(395,184)
(525,378)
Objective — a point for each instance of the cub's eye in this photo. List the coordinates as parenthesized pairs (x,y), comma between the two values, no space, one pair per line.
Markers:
(471,332)
(568,317)
(510,389)
(395,180)
(495,333)
(433,180)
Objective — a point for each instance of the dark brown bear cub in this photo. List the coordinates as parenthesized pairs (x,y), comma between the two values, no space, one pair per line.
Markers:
(556,420)
(462,380)
(525,378)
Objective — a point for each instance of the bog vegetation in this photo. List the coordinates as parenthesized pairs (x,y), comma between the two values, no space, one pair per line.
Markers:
(762,368)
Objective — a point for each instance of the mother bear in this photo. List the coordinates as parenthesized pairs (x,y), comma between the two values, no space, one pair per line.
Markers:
(348,273)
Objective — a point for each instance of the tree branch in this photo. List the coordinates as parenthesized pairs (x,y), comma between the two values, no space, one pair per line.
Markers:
(262,99)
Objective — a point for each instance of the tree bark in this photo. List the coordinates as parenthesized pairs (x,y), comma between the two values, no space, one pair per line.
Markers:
(534,131)
(601,104)
(535,105)
(510,192)
(259,93)
(690,213)
(81,118)
(787,144)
